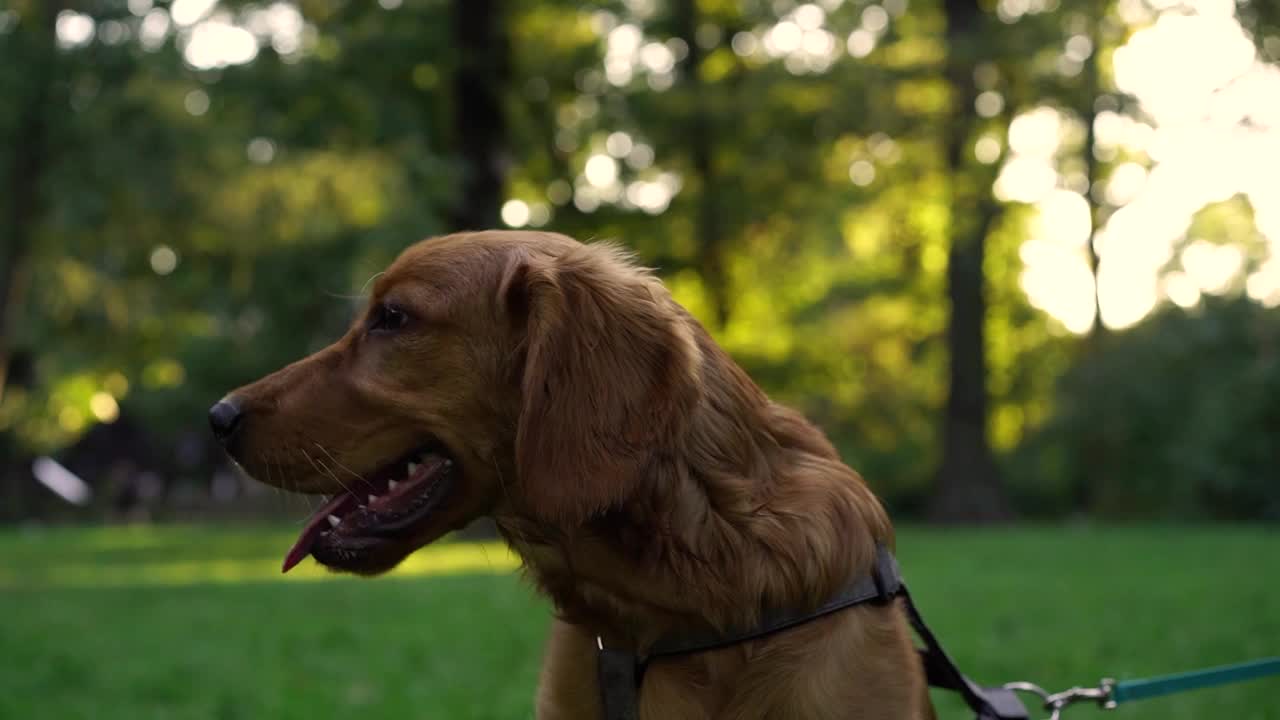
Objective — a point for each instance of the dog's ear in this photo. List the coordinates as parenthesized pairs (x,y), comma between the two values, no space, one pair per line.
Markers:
(610,375)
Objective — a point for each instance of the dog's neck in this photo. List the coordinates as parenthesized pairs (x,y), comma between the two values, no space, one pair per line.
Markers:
(752,510)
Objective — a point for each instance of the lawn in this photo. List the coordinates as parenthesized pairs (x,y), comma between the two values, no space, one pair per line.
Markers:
(196,622)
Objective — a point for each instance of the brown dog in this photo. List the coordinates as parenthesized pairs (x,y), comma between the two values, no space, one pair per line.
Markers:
(649,486)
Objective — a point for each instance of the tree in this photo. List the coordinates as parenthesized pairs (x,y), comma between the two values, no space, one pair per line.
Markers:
(1089,99)
(801,175)
(709,233)
(481,76)
(968,484)
(32,48)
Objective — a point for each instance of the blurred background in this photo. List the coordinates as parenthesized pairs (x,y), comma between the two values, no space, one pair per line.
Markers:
(1020,259)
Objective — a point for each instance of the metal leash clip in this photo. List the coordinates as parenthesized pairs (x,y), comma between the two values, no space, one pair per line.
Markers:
(1056,702)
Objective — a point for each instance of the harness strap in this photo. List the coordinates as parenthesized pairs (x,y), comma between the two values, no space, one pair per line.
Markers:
(990,703)
(619,685)
(884,583)
(620,672)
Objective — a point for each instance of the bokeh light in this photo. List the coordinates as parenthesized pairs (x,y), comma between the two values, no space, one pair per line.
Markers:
(163,260)
(515,213)
(104,407)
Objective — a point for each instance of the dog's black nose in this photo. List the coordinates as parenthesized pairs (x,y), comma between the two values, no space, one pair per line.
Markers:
(224,418)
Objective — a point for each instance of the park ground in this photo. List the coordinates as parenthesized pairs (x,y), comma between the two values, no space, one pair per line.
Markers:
(195,622)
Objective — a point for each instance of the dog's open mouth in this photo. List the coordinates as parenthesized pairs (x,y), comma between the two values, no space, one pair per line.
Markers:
(354,529)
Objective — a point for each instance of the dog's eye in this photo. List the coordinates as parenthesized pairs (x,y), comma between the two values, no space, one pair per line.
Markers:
(387,319)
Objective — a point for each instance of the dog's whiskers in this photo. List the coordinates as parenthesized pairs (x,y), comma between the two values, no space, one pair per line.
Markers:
(517,533)
(270,484)
(268,462)
(373,277)
(323,469)
(306,499)
(355,474)
(329,471)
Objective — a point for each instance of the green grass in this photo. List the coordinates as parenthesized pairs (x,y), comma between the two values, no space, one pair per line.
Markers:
(196,622)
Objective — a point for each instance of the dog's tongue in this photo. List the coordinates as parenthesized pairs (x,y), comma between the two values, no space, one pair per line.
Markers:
(313,528)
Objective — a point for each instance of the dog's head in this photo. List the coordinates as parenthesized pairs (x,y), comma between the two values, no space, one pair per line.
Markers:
(512,372)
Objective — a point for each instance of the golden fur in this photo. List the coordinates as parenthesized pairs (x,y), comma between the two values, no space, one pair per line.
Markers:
(648,484)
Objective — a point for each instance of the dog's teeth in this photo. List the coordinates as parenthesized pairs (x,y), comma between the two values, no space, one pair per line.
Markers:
(413,468)
(334,521)
(391,484)
(373,499)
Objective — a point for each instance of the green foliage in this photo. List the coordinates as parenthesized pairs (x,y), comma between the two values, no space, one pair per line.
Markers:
(198,228)
(212,645)
(1175,418)
(256,201)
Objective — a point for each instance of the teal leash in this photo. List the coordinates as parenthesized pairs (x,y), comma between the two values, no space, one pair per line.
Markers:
(1110,693)
(1181,682)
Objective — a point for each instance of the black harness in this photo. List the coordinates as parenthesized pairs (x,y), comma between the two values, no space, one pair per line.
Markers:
(621,671)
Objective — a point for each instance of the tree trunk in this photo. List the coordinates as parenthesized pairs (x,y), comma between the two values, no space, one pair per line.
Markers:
(1082,492)
(481,76)
(31,47)
(1089,115)
(968,485)
(702,157)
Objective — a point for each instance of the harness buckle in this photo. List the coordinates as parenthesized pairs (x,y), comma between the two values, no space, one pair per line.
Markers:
(1055,703)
